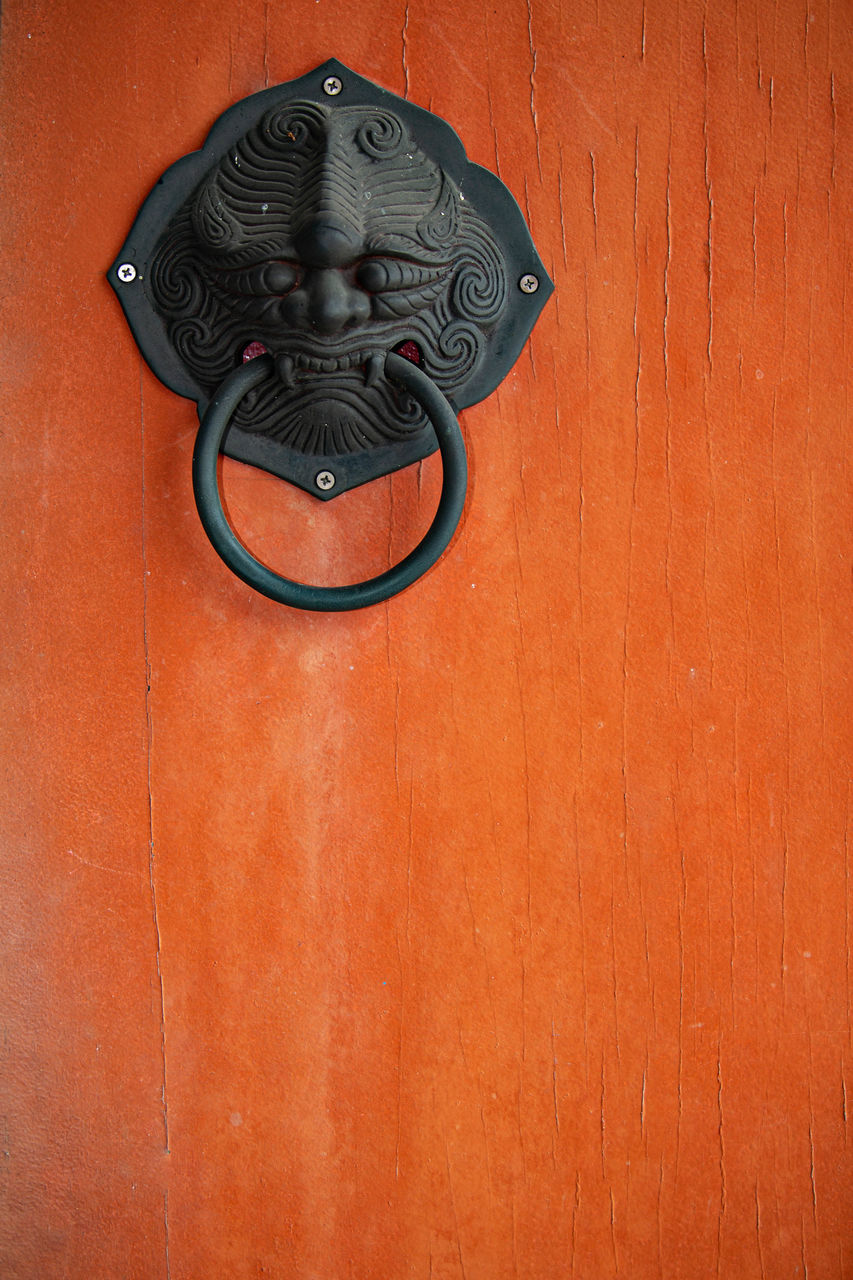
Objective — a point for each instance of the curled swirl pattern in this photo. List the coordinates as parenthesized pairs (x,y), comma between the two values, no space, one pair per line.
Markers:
(458,352)
(480,288)
(175,280)
(381,136)
(191,337)
(298,125)
(196,342)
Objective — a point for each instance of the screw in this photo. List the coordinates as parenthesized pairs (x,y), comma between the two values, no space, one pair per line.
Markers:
(528,284)
(332,86)
(126,272)
(324,480)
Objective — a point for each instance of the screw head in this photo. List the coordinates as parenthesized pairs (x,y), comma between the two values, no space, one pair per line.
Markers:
(126,272)
(325,480)
(528,283)
(332,86)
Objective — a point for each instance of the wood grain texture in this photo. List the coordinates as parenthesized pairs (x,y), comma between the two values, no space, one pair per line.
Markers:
(504,929)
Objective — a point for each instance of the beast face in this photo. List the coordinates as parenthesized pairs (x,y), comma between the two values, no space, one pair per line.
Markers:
(327,236)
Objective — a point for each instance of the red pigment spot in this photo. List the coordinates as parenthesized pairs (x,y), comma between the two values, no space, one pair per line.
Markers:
(409,351)
(254,349)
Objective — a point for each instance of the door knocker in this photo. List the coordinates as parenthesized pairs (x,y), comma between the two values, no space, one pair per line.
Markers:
(331,280)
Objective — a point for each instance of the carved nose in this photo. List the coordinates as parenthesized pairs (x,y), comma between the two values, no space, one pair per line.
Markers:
(327,300)
(327,242)
(332,303)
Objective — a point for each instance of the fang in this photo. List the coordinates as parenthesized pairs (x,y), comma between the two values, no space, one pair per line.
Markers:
(285,371)
(373,370)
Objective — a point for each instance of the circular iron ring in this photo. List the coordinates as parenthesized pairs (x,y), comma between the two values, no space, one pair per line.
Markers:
(299,595)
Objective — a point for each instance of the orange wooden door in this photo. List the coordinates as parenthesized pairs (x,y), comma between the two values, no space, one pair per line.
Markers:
(502,929)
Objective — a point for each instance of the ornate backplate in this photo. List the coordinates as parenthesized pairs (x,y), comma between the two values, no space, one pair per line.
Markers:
(328,221)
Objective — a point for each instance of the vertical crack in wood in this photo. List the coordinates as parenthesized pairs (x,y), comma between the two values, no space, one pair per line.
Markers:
(533,114)
(405,39)
(166,1233)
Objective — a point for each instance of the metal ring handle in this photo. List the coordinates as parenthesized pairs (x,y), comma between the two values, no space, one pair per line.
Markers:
(299,595)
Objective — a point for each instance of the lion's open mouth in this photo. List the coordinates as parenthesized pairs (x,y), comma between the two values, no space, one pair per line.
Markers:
(293,367)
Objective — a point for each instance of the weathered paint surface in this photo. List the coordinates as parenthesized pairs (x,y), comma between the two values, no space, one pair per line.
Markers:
(502,930)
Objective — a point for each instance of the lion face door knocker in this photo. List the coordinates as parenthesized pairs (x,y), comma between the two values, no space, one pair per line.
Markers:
(331,281)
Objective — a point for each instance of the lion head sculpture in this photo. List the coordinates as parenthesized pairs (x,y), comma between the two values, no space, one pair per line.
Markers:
(328,237)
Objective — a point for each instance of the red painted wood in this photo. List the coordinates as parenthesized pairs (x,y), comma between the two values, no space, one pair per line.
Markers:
(503,929)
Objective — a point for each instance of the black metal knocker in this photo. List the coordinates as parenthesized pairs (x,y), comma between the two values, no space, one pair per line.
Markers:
(331,280)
